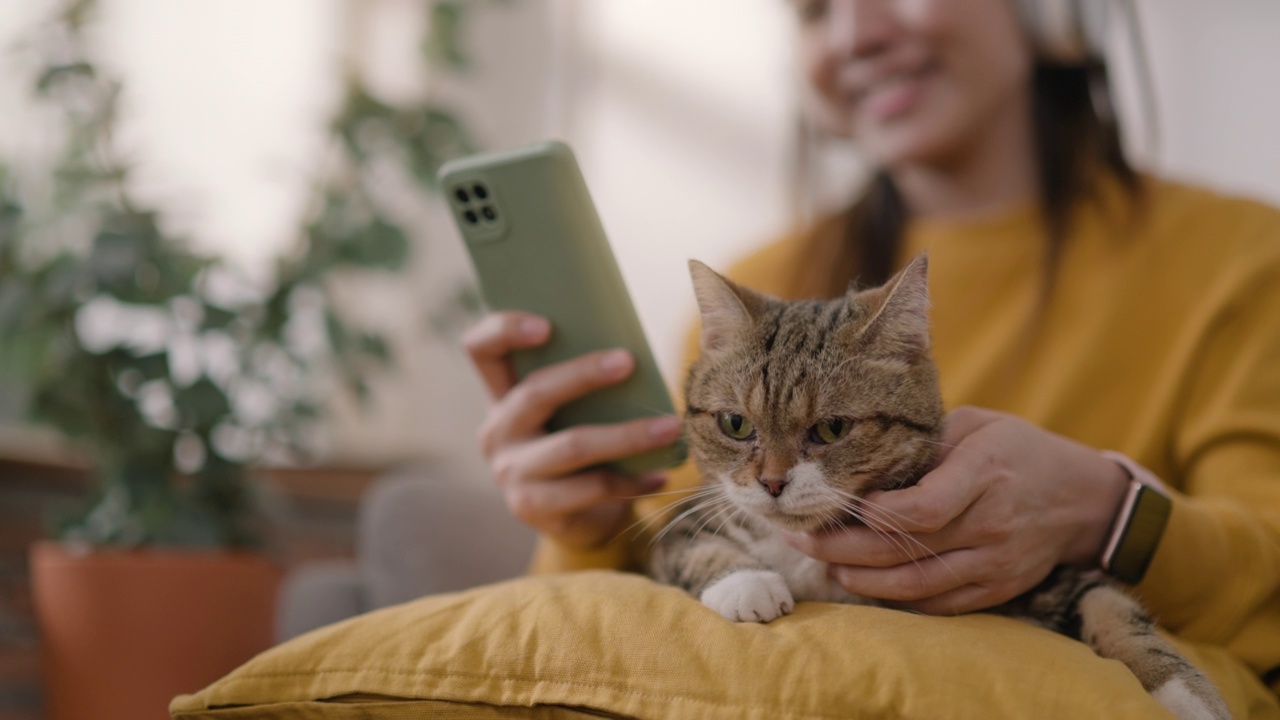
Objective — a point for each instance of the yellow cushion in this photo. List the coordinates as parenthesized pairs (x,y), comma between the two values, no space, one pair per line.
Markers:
(602,643)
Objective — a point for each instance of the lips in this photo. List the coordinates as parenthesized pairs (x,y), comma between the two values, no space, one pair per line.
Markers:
(886,93)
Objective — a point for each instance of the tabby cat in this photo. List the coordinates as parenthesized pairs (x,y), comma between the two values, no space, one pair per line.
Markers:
(797,409)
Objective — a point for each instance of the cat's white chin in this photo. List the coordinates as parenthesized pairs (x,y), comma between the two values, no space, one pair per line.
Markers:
(797,523)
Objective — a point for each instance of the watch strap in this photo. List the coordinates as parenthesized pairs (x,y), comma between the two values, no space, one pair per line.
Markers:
(1139,525)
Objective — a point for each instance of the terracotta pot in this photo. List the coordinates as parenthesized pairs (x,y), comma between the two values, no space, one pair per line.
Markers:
(124,631)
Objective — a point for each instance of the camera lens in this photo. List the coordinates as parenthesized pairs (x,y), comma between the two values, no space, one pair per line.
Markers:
(461,195)
(470,215)
(481,192)
(489,213)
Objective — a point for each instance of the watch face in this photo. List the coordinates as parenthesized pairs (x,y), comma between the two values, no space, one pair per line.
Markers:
(1141,535)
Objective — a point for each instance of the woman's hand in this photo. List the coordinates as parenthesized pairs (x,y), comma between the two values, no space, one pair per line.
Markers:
(1007,503)
(543,477)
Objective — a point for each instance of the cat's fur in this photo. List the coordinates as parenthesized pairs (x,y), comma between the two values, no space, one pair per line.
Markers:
(787,367)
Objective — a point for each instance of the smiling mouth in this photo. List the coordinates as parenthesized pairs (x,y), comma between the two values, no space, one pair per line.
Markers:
(894,95)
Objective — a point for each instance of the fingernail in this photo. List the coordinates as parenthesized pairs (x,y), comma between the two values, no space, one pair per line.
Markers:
(615,362)
(665,428)
(534,328)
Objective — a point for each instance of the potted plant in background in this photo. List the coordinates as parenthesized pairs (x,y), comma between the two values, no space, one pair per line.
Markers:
(175,378)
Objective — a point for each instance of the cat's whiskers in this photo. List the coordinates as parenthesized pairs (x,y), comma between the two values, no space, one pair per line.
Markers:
(868,513)
(939,443)
(720,508)
(736,511)
(691,492)
(712,503)
(648,520)
(729,508)
(877,506)
(896,538)
(872,514)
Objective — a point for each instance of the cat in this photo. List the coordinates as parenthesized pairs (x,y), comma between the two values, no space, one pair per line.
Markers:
(797,409)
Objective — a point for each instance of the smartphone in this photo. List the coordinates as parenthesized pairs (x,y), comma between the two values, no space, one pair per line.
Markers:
(537,245)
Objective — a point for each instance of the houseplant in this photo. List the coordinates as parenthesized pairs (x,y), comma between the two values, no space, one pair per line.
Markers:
(174,377)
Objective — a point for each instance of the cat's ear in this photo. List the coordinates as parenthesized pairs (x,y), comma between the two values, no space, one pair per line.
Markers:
(727,309)
(899,324)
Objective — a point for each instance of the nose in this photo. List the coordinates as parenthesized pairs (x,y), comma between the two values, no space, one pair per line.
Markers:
(859,28)
(775,486)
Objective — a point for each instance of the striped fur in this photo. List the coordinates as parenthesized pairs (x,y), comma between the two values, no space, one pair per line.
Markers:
(781,369)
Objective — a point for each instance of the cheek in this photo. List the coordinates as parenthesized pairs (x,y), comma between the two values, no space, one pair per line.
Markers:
(822,102)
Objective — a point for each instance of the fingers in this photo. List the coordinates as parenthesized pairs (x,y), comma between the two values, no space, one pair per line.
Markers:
(491,341)
(868,547)
(528,405)
(570,450)
(913,581)
(964,599)
(940,497)
(961,423)
(545,503)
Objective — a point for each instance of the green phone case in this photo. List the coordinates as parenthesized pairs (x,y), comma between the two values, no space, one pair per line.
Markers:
(537,245)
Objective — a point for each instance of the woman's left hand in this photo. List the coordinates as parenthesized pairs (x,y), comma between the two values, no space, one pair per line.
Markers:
(1007,503)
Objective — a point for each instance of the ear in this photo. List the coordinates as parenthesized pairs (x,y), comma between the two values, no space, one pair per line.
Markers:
(900,325)
(727,310)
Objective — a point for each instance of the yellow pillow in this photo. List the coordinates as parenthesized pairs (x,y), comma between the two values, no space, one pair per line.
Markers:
(600,643)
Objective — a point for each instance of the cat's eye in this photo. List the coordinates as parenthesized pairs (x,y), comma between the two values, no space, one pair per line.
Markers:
(736,426)
(829,431)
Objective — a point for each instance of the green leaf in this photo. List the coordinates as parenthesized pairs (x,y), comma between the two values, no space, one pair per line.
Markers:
(440,138)
(379,245)
(115,259)
(375,346)
(57,73)
(201,405)
(151,367)
(443,43)
(216,318)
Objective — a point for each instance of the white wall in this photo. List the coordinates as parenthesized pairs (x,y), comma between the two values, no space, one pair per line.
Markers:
(1217,72)
(682,118)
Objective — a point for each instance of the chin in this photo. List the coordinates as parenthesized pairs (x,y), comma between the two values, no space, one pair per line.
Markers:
(801,523)
(897,147)
(922,139)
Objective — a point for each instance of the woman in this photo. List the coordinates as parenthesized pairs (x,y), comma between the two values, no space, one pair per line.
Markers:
(1077,307)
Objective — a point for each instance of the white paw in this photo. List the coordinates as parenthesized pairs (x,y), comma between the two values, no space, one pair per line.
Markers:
(750,596)
(1181,701)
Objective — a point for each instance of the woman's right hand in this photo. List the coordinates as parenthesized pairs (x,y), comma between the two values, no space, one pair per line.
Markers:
(551,480)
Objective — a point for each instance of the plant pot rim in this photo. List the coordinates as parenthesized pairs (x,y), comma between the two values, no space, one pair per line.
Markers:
(56,551)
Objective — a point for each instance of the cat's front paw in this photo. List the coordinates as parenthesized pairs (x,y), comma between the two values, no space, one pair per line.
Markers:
(750,596)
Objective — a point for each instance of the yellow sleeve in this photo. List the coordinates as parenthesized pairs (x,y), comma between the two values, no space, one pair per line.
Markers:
(1216,575)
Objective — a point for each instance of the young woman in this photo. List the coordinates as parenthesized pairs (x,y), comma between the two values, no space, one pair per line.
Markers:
(1078,307)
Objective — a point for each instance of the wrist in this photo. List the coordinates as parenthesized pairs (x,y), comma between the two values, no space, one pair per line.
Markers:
(1103,493)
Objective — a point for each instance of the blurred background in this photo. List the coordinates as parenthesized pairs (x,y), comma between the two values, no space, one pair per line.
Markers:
(288,148)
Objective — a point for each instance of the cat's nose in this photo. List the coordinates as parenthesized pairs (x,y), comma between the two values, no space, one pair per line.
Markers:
(774,486)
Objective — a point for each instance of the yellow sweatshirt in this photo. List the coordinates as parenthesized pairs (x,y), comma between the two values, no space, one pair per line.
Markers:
(1160,338)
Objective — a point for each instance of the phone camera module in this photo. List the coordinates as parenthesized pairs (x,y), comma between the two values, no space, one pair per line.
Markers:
(489,213)
(480,191)
(470,215)
(462,195)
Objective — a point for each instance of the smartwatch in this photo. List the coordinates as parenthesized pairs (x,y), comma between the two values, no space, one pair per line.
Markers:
(1138,526)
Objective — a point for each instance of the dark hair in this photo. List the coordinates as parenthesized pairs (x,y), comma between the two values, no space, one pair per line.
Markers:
(1076,137)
